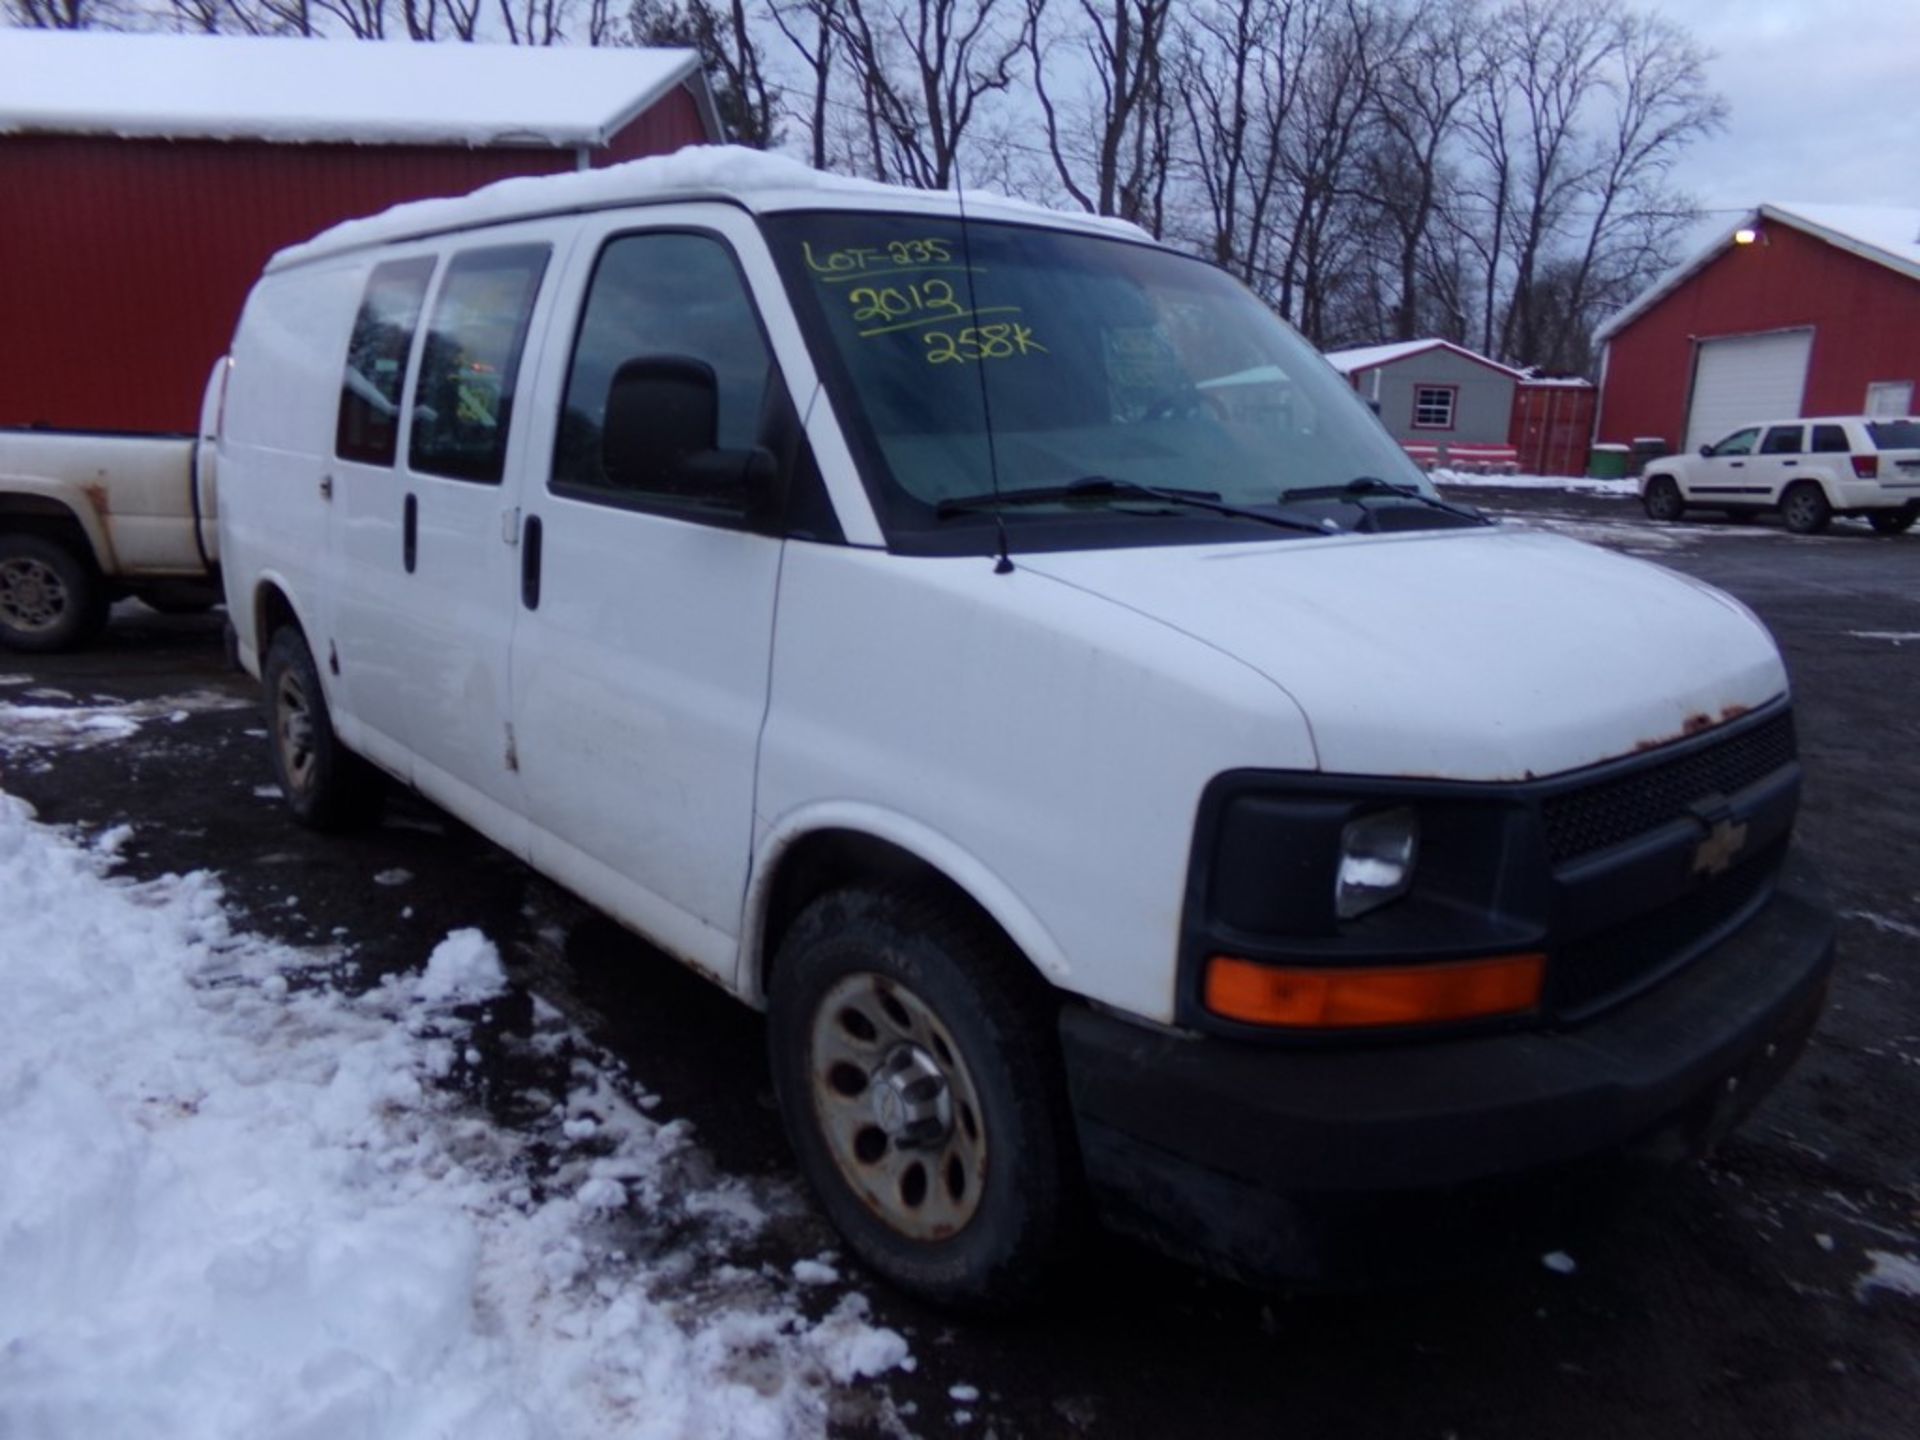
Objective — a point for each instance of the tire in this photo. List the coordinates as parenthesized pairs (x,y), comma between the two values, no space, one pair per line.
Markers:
(916,1065)
(1892,522)
(1804,507)
(50,598)
(327,786)
(1663,500)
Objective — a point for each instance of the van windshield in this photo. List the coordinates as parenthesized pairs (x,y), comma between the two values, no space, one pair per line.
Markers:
(1102,365)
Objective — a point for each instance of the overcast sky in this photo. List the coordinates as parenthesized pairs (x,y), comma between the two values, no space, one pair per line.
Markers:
(1825,98)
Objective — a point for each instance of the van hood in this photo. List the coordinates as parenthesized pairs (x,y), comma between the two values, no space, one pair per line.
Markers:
(1497,654)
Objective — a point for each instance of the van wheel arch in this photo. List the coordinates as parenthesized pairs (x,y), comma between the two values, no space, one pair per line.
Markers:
(272,611)
(837,859)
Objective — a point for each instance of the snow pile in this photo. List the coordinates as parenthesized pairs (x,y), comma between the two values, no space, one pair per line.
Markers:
(1897,1274)
(240,1202)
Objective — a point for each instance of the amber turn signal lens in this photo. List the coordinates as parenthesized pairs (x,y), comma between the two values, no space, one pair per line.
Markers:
(1323,998)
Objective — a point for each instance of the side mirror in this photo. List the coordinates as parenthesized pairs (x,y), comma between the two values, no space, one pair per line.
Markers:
(1706,450)
(662,412)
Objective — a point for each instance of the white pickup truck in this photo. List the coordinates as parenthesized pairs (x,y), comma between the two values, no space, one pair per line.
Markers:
(87,518)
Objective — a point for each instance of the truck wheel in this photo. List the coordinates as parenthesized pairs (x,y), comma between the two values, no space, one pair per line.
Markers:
(916,1068)
(1663,500)
(1892,522)
(327,786)
(50,599)
(1805,508)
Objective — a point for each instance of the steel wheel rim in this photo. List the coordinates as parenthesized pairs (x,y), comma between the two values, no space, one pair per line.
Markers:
(897,1107)
(293,731)
(32,594)
(1801,510)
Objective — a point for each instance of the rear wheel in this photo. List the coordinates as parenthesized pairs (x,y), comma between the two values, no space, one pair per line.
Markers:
(916,1067)
(1892,522)
(50,598)
(1804,507)
(1662,499)
(326,785)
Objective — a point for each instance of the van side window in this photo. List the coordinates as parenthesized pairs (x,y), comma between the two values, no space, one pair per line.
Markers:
(463,403)
(1782,440)
(679,298)
(368,429)
(1830,440)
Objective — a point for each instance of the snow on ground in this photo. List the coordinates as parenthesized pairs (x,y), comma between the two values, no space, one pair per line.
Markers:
(1579,485)
(245,1200)
(71,726)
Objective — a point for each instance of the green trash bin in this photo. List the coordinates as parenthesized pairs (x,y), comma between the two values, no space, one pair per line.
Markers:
(1607,462)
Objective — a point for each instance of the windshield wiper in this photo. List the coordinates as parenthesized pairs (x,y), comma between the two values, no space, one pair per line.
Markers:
(1374,485)
(1105,487)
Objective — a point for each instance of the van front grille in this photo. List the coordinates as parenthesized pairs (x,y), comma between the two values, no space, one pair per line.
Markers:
(1608,812)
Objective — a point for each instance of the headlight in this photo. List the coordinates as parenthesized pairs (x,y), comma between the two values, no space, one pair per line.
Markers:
(1377,855)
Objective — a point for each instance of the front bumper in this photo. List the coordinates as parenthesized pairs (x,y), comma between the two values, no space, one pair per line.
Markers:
(1272,1163)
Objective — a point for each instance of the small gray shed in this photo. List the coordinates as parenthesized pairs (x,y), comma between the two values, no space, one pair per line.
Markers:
(1444,403)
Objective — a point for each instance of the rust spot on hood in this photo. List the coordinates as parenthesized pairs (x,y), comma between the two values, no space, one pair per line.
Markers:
(1693,725)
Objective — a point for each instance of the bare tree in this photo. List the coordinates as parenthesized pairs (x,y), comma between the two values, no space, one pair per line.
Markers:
(721,31)
(922,69)
(816,52)
(1121,104)
(1424,85)
(364,19)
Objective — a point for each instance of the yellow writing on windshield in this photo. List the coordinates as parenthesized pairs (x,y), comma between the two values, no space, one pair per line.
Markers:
(855,260)
(1000,341)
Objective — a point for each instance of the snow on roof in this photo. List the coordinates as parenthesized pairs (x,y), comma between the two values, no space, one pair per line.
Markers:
(222,87)
(1885,234)
(756,179)
(1368,357)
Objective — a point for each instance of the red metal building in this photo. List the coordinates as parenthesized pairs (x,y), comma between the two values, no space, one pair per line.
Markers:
(1797,310)
(148,178)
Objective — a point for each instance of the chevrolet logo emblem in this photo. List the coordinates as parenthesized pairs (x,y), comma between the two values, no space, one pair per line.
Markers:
(1716,853)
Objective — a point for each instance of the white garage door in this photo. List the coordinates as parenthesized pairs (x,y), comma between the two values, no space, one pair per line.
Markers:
(1745,380)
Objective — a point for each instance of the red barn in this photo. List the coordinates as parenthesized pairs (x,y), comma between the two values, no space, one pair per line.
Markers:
(1797,310)
(149,177)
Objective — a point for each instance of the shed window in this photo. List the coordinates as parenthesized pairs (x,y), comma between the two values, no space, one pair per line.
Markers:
(1433,406)
(463,401)
(368,428)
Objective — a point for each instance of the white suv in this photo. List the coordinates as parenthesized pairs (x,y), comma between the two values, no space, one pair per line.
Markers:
(1809,470)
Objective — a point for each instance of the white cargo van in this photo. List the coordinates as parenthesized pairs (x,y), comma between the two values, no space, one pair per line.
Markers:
(997,646)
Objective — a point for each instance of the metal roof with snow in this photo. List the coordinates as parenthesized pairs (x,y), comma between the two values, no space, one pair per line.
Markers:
(221,87)
(1888,235)
(1368,357)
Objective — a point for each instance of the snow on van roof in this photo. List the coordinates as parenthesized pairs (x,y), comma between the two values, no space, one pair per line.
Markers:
(761,181)
(243,87)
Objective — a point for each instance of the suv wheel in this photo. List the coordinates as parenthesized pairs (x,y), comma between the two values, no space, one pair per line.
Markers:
(1805,508)
(1663,499)
(916,1067)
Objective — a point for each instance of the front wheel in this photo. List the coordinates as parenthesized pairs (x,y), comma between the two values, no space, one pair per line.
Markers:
(917,1071)
(1804,507)
(326,785)
(1892,522)
(1663,499)
(50,599)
